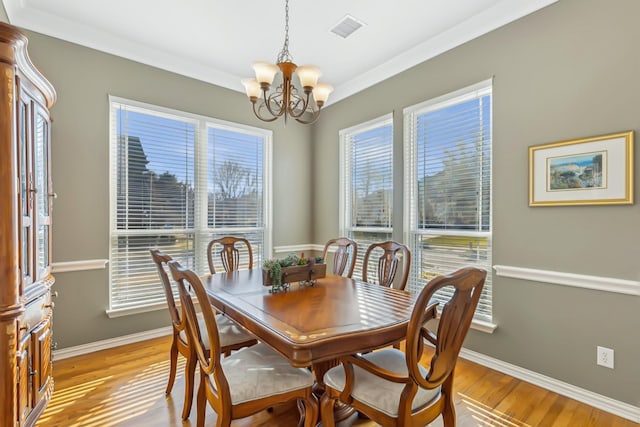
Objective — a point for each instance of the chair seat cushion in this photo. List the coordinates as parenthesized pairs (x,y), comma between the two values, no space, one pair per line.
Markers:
(230,333)
(377,392)
(256,372)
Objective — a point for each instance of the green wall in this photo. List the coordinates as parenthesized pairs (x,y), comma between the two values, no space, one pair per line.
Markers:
(570,70)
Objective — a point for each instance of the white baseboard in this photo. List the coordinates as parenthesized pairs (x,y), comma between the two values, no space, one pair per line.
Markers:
(596,400)
(79,350)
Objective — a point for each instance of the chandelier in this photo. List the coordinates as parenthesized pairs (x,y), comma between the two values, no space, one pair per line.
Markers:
(286,100)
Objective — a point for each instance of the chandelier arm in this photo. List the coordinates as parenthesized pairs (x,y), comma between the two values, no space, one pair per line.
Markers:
(305,104)
(267,103)
(314,117)
(264,119)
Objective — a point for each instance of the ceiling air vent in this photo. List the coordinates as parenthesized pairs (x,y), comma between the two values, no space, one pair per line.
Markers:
(347,26)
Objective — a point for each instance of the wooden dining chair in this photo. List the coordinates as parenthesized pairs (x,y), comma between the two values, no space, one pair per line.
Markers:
(249,380)
(387,265)
(344,255)
(232,336)
(228,249)
(392,388)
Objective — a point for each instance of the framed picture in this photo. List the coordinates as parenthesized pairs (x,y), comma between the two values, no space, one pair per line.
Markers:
(588,171)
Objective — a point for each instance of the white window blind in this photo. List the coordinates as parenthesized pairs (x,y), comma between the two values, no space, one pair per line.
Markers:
(177,181)
(366,199)
(448,187)
(235,190)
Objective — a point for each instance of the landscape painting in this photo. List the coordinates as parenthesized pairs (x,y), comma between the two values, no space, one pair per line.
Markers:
(596,170)
(576,171)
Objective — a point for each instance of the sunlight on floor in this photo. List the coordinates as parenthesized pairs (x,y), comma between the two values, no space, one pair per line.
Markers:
(128,401)
(68,397)
(487,416)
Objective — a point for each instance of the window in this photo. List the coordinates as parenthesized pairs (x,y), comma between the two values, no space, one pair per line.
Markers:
(448,187)
(366,184)
(177,181)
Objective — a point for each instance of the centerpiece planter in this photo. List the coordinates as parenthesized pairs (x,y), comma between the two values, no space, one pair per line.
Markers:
(279,274)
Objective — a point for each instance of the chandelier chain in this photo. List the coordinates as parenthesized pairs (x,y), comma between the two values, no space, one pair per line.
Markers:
(285,55)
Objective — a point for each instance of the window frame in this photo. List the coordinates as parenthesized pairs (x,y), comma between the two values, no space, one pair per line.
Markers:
(201,227)
(482,321)
(346,191)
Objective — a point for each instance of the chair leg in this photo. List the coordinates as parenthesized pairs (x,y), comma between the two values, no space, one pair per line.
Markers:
(189,380)
(326,410)
(201,404)
(449,409)
(173,360)
(449,417)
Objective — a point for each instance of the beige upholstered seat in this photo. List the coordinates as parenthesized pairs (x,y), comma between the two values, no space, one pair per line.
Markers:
(232,336)
(344,256)
(391,387)
(376,391)
(249,380)
(258,373)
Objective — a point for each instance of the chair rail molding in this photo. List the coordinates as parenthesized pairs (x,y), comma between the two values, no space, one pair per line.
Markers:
(298,248)
(87,264)
(605,284)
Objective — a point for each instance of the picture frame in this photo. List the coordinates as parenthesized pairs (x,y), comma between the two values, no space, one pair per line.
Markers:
(587,171)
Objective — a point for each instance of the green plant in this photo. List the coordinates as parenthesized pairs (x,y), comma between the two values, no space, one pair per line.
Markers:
(274,267)
(289,260)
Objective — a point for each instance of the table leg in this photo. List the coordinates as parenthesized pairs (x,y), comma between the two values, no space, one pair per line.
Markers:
(340,410)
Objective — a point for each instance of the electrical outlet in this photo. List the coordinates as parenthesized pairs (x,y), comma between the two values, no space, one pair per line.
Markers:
(605,357)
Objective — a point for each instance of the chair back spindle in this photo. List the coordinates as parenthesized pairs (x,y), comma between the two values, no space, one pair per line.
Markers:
(387,265)
(344,257)
(455,319)
(161,260)
(229,253)
(209,360)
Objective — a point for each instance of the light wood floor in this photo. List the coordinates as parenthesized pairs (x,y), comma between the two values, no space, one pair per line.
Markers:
(125,386)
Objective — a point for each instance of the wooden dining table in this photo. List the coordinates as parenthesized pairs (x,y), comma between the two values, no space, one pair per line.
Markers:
(313,325)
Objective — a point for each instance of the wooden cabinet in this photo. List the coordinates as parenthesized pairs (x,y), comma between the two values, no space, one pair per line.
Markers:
(26,194)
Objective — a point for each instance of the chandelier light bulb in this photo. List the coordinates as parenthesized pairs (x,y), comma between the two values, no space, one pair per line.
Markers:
(265,72)
(321,93)
(252,88)
(308,75)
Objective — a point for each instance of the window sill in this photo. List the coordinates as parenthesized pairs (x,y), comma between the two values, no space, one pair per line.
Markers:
(120,312)
(482,326)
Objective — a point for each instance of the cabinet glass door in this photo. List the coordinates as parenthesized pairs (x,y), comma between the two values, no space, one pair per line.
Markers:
(26,239)
(41,172)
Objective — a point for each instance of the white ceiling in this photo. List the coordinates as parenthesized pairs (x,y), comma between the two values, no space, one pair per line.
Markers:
(217,41)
